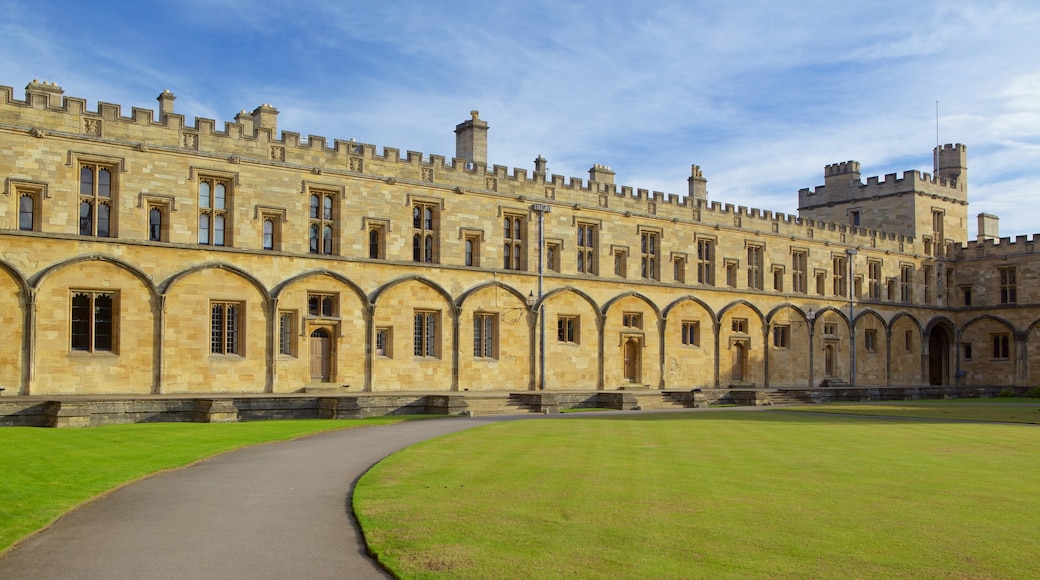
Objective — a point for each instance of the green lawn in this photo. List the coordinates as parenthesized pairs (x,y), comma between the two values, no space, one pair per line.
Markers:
(722,494)
(46,472)
(1006,410)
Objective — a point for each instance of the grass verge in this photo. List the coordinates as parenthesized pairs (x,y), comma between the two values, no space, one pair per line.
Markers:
(47,472)
(725,494)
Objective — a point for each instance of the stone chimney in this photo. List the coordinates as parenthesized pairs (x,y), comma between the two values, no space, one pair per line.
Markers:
(471,139)
(698,185)
(41,95)
(245,119)
(601,174)
(989,227)
(540,166)
(266,117)
(166,100)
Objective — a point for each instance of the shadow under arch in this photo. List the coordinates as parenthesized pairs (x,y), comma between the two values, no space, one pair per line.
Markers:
(939,337)
(870,312)
(913,320)
(27,300)
(785,306)
(978,319)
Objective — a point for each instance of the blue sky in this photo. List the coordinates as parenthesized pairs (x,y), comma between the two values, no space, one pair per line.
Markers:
(761,95)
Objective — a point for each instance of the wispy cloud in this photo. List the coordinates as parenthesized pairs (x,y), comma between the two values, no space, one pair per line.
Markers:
(762,95)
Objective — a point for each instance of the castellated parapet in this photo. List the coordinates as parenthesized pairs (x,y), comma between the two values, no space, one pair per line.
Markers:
(914,204)
(254,138)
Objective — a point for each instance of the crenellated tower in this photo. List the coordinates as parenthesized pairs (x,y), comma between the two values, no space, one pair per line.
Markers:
(932,208)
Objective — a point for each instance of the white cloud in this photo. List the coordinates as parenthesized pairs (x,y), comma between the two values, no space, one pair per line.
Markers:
(761,95)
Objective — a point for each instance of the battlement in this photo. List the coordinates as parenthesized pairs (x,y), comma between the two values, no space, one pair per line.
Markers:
(843,168)
(253,137)
(996,248)
(911,181)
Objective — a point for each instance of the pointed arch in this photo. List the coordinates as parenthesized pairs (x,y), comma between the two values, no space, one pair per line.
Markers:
(630,294)
(496,284)
(41,276)
(169,283)
(283,285)
(374,297)
(583,296)
(690,298)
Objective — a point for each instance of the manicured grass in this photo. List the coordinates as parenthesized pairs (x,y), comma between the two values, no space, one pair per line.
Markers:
(1000,410)
(720,494)
(46,472)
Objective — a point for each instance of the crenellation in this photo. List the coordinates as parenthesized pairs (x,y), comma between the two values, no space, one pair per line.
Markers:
(318,143)
(74,106)
(206,127)
(673,199)
(626,191)
(110,111)
(500,171)
(392,154)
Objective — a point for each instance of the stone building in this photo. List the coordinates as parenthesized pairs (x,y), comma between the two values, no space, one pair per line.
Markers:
(143,255)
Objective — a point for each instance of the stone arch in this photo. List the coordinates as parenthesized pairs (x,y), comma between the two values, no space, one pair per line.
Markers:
(1032,353)
(343,356)
(987,350)
(42,275)
(217,296)
(741,345)
(831,350)
(277,290)
(379,292)
(872,348)
(573,341)
(461,300)
(689,344)
(939,360)
(114,349)
(496,339)
(421,322)
(787,348)
(632,349)
(905,349)
(167,285)
(15,318)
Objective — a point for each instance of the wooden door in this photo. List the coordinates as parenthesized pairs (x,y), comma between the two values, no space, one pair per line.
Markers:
(321,347)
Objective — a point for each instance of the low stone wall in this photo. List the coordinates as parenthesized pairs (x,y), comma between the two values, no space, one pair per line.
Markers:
(86,412)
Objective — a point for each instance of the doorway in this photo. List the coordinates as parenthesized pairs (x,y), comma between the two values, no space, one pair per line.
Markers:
(739,362)
(938,356)
(321,350)
(631,356)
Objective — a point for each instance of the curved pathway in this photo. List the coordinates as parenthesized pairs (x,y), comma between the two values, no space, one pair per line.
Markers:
(278,510)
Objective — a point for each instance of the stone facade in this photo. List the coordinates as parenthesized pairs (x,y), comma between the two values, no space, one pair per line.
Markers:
(143,255)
